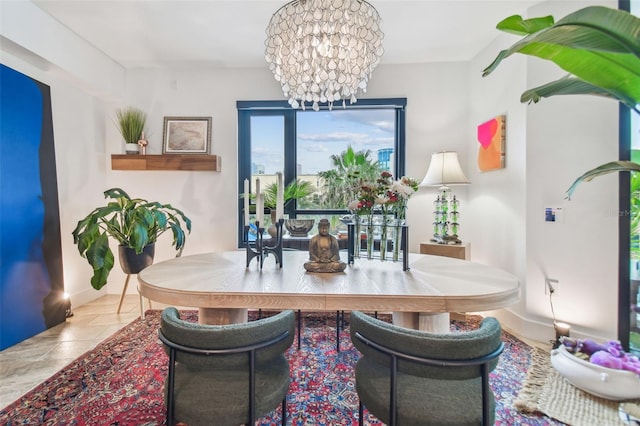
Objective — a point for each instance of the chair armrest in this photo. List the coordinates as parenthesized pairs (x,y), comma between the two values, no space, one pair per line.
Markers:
(433,361)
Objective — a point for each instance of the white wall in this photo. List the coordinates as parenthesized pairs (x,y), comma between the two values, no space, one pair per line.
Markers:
(209,199)
(497,214)
(548,145)
(437,110)
(566,137)
(64,53)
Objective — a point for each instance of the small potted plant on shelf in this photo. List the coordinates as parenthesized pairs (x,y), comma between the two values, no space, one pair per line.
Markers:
(135,224)
(131,123)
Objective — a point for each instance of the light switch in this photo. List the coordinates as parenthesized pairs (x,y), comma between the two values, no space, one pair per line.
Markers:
(553,215)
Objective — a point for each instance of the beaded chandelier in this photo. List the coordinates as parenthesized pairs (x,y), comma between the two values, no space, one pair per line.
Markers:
(323,50)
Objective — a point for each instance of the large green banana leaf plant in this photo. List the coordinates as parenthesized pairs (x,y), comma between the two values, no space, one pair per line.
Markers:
(611,167)
(598,46)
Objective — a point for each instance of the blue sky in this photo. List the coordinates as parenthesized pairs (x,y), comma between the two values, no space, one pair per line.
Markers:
(321,134)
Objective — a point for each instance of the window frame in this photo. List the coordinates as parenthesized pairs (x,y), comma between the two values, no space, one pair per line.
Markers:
(248,109)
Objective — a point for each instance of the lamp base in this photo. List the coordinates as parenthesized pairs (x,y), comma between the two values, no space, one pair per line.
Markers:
(446,239)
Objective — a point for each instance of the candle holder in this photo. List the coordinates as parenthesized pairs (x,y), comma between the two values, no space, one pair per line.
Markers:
(254,250)
(260,249)
(275,249)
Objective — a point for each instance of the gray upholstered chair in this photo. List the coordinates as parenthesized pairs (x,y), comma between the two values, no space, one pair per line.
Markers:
(226,374)
(412,377)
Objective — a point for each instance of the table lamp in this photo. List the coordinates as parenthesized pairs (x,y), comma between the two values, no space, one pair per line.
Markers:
(444,170)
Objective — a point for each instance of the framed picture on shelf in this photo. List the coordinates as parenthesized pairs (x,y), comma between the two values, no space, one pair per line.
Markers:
(186,135)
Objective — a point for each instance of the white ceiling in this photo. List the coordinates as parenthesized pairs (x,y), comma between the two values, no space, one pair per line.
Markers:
(223,33)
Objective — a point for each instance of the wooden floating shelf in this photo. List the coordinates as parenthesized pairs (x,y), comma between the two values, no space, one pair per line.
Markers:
(197,162)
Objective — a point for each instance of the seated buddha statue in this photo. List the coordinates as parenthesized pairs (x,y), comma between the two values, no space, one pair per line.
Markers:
(324,252)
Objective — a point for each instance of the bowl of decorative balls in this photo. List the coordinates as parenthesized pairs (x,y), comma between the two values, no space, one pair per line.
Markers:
(603,370)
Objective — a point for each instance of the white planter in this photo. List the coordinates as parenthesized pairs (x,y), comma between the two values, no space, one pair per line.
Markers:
(600,381)
(131,148)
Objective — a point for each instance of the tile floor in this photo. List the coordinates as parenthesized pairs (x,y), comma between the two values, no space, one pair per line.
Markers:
(25,365)
(28,363)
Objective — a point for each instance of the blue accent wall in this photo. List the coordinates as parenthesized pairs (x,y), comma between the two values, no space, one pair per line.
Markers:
(31,279)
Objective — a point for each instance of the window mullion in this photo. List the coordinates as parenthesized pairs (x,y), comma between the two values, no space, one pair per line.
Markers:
(290,156)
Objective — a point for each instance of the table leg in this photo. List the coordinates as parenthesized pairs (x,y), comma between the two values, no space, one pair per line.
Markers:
(405,319)
(221,316)
(435,323)
(425,321)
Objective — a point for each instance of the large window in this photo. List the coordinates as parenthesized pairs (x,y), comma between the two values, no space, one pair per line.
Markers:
(326,152)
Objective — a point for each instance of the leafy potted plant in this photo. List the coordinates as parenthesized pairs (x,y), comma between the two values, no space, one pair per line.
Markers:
(295,190)
(131,123)
(135,224)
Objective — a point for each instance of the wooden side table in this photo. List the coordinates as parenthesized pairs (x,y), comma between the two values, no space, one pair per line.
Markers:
(457,251)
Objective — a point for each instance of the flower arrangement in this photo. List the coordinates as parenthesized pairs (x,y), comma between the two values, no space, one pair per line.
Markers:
(385,195)
(399,194)
(609,354)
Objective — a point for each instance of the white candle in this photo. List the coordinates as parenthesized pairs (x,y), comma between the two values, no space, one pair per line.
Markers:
(259,208)
(246,202)
(280,197)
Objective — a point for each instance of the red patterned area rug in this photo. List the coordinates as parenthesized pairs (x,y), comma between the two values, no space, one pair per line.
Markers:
(120,382)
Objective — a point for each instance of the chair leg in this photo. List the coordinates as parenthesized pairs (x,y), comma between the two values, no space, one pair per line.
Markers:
(360,414)
(339,325)
(299,326)
(486,405)
(142,306)
(284,411)
(142,303)
(170,388)
(124,291)
(337,331)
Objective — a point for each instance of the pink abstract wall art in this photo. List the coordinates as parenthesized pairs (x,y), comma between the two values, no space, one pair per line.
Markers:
(491,136)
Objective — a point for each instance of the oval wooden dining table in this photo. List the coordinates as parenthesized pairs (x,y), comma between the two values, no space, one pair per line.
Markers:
(223,288)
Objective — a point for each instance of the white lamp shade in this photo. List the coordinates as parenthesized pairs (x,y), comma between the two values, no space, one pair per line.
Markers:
(444,169)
